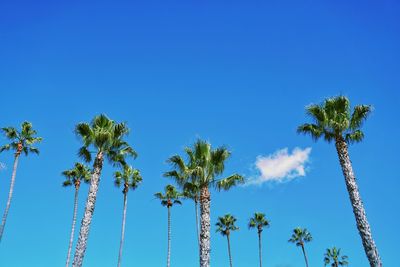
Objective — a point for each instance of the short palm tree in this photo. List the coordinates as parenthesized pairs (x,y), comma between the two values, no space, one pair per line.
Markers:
(334,121)
(129,178)
(74,177)
(299,237)
(21,141)
(106,139)
(259,222)
(170,197)
(333,255)
(225,226)
(203,169)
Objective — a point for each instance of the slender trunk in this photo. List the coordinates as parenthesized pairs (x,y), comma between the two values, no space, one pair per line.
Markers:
(358,208)
(205,202)
(89,209)
(10,193)
(229,250)
(304,253)
(121,243)
(259,247)
(196,206)
(71,238)
(169,237)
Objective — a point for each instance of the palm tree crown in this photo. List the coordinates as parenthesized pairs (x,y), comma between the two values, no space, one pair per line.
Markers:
(300,236)
(258,221)
(333,255)
(106,136)
(334,120)
(226,224)
(21,141)
(78,173)
(170,197)
(129,178)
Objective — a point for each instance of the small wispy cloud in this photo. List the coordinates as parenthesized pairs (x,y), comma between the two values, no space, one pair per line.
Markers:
(281,166)
(2,166)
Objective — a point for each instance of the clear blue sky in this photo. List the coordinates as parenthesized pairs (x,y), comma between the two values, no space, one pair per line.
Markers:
(237,73)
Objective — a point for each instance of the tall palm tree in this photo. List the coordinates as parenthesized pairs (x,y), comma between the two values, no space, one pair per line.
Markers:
(259,221)
(20,141)
(75,176)
(299,237)
(130,179)
(106,139)
(205,167)
(168,199)
(225,226)
(334,121)
(333,255)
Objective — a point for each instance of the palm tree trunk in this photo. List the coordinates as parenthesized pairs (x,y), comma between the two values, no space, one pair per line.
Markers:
(71,238)
(169,237)
(10,193)
(89,210)
(121,243)
(259,248)
(229,250)
(304,253)
(358,208)
(205,203)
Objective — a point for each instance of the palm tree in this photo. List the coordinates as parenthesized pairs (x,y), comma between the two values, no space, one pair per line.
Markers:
(334,121)
(333,254)
(106,138)
(20,141)
(225,226)
(168,199)
(204,167)
(75,176)
(299,237)
(130,179)
(259,221)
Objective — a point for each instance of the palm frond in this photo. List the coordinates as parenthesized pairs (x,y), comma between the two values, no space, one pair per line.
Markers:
(229,182)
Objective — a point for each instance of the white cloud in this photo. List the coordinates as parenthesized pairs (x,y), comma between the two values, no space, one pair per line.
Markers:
(281,165)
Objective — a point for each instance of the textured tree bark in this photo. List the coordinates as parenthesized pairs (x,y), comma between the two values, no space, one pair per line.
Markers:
(229,250)
(358,208)
(205,203)
(259,247)
(80,248)
(304,253)
(71,238)
(10,193)
(121,243)
(169,237)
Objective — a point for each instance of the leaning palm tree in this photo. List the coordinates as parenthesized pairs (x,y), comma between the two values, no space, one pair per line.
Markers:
(20,141)
(334,121)
(106,139)
(130,179)
(299,237)
(74,177)
(168,199)
(259,221)
(333,255)
(225,226)
(204,168)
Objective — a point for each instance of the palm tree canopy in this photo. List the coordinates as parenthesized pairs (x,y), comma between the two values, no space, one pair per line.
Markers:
(170,197)
(129,177)
(78,173)
(333,119)
(203,166)
(106,136)
(333,255)
(22,140)
(300,236)
(226,224)
(258,221)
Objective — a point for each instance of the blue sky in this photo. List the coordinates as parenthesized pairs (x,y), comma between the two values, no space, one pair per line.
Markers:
(237,73)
